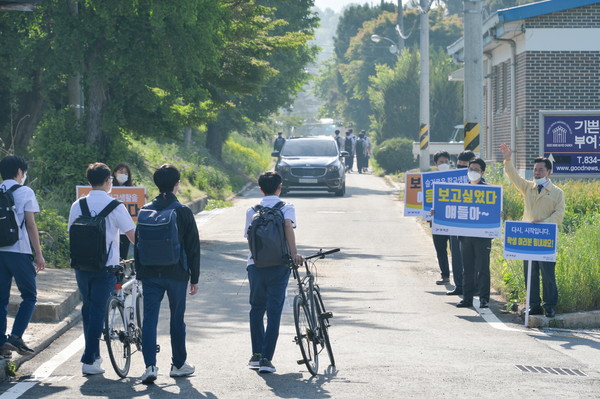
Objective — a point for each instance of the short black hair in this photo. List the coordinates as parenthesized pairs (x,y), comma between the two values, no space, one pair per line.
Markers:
(269,182)
(545,161)
(166,177)
(97,173)
(10,165)
(440,154)
(466,156)
(479,162)
(279,133)
(337,131)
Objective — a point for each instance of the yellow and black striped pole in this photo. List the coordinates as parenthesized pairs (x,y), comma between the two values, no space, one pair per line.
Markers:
(472,130)
(424,145)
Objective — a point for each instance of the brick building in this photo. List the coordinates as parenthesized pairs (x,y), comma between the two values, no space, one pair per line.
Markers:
(540,56)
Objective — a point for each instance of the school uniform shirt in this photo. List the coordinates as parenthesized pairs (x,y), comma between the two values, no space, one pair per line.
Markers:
(288,210)
(116,221)
(547,206)
(25,201)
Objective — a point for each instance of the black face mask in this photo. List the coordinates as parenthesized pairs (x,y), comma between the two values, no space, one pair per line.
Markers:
(461,166)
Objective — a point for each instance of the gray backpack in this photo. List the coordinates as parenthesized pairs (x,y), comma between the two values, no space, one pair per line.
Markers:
(266,237)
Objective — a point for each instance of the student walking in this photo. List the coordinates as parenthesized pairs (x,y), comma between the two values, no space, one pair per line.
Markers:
(268,281)
(100,216)
(122,178)
(167,256)
(19,235)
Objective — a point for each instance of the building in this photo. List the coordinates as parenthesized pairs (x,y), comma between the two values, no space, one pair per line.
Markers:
(543,56)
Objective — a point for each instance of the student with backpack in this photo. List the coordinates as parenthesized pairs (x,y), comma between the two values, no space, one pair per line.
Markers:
(18,234)
(167,256)
(270,232)
(94,225)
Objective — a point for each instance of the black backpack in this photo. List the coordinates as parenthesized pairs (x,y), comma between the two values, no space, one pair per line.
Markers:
(87,237)
(266,237)
(157,239)
(348,144)
(9,228)
(360,146)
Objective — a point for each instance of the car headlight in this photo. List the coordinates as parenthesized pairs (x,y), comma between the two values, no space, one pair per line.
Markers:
(333,168)
(283,168)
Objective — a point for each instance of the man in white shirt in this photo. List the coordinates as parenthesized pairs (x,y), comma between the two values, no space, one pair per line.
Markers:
(97,286)
(16,260)
(268,285)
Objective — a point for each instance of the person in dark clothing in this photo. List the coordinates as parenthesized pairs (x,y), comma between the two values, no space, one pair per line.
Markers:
(475,253)
(172,280)
(279,142)
(122,178)
(349,142)
(339,140)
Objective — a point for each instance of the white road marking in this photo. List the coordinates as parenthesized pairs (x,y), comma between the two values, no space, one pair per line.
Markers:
(205,216)
(45,370)
(493,321)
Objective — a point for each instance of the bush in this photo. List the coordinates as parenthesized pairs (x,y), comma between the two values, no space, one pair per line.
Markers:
(54,237)
(246,160)
(395,155)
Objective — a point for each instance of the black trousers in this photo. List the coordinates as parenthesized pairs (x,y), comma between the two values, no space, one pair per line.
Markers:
(476,266)
(123,246)
(550,289)
(440,242)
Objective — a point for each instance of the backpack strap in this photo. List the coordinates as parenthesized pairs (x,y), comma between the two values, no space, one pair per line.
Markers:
(10,192)
(279,205)
(109,208)
(85,210)
(14,188)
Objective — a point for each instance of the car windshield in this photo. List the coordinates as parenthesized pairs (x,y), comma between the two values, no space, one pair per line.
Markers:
(309,148)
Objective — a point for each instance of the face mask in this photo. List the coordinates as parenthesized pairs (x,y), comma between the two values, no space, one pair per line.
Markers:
(24,178)
(443,166)
(122,178)
(474,176)
(540,181)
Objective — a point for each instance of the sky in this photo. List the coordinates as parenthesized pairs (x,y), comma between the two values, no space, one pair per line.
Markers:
(337,5)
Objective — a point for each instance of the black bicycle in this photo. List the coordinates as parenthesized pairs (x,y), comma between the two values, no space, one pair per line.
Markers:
(310,317)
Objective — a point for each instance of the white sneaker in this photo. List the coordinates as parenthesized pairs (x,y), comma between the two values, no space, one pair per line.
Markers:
(91,369)
(182,371)
(150,375)
(98,362)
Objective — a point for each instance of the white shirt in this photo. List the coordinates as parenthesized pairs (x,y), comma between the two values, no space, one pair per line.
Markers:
(25,201)
(288,210)
(116,221)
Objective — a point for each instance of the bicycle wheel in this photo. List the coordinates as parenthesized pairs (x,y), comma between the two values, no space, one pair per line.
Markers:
(115,335)
(323,317)
(139,313)
(305,335)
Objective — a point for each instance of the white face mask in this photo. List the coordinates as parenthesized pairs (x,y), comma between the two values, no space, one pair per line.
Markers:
(24,178)
(473,176)
(122,178)
(541,181)
(443,166)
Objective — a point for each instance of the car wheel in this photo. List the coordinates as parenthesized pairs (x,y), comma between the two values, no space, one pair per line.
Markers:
(341,191)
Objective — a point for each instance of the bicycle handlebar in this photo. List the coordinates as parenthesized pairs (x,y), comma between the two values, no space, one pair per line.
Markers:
(322,254)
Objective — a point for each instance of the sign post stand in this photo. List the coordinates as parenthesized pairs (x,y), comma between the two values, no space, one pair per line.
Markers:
(529,267)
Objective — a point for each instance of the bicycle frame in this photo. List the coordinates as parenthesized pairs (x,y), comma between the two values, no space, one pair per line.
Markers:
(128,290)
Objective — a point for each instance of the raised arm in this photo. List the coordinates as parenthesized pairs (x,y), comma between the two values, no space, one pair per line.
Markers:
(511,171)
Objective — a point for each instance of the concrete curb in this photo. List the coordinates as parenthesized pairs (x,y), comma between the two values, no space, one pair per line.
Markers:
(52,332)
(579,320)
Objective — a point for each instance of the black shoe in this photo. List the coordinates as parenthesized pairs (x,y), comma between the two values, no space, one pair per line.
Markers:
(464,304)
(455,291)
(16,344)
(443,281)
(536,310)
(483,304)
(550,313)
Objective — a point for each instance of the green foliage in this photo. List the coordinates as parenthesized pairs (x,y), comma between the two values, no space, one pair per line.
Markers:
(54,236)
(394,155)
(245,159)
(216,204)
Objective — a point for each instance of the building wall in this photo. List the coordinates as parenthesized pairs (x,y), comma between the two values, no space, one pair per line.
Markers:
(580,17)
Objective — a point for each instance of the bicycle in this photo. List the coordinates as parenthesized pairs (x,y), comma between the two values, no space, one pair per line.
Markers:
(310,317)
(123,317)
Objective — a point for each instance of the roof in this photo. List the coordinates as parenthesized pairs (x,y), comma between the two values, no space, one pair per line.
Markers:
(540,8)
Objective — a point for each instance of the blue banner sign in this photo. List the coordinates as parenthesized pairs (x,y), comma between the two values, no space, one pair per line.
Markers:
(429,178)
(471,210)
(571,140)
(530,241)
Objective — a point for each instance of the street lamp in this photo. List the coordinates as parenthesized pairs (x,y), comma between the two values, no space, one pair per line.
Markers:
(393,47)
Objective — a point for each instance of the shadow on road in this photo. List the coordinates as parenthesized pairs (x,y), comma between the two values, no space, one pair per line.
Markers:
(294,385)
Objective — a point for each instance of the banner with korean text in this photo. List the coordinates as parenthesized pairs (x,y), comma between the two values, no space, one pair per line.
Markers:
(429,178)
(413,196)
(530,241)
(471,210)
(132,197)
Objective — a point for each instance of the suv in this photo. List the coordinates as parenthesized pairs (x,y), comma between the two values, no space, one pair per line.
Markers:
(311,163)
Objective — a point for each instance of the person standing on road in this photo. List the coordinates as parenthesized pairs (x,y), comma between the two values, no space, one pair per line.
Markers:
(339,140)
(361,152)
(475,253)
(122,178)
(172,279)
(349,142)
(544,203)
(97,286)
(268,285)
(440,242)
(16,260)
(279,142)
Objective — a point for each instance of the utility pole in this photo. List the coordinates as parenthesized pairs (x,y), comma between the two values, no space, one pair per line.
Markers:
(74,85)
(473,64)
(400,27)
(424,89)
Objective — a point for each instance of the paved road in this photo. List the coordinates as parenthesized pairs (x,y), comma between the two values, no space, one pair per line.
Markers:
(395,334)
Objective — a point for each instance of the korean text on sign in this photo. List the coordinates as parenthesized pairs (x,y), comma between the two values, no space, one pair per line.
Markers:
(132,197)
(429,178)
(530,241)
(413,196)
(472,210)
